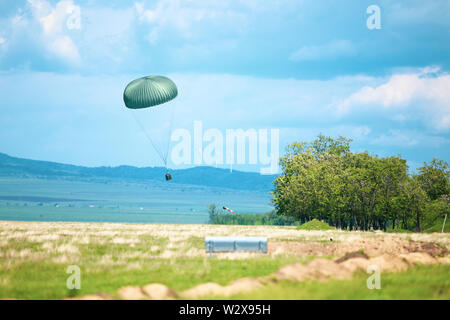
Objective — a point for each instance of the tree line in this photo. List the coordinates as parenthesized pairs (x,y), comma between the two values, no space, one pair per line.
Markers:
(324,180)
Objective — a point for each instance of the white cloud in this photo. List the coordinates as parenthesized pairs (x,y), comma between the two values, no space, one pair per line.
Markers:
(355,132)
(396,138)
(64,47)
(331,50)
(56,22)
(425,92)
(63,36)
(190,19)
(409,138)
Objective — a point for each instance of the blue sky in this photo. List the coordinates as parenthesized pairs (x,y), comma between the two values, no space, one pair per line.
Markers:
(304,67)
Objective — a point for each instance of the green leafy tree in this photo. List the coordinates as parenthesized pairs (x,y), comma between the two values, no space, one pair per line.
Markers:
(311,186)
(435,178)
(436,210)
(212,213)
(324,180)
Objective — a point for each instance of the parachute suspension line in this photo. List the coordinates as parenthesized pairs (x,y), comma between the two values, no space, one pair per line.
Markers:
(172,116)
(160,154)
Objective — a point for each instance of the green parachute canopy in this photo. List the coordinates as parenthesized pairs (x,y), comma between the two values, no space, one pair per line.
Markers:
(149,91)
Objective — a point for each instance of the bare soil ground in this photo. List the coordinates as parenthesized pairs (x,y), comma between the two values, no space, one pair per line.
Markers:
(371,247)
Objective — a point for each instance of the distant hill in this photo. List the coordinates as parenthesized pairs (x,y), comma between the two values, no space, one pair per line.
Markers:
(202,176)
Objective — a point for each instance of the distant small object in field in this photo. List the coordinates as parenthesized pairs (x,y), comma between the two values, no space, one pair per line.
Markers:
(331,239)
(228,209)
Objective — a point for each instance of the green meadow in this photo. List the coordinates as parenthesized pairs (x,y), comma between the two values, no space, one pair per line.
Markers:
(421,282)
(35,256)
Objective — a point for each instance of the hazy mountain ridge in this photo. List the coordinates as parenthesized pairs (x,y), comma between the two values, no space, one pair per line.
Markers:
(203,176)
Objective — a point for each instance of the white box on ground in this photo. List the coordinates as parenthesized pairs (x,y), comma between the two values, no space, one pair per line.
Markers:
(221,244)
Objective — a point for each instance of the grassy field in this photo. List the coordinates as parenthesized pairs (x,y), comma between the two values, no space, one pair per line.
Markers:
(437,225)
(421,282)
(34,257)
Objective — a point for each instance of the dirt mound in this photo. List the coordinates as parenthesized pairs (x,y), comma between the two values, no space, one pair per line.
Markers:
(356,264)
(418,258)
(323,269)
(444,260)
(352,255)
(157,291)
(294,272)
(318,269)
(212,288)
(344,267)
(209,288)
(389,263)
(300,248)
(95,296)
(432,249)
(371,247)
(131,293)
(241,286)
(153,291)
